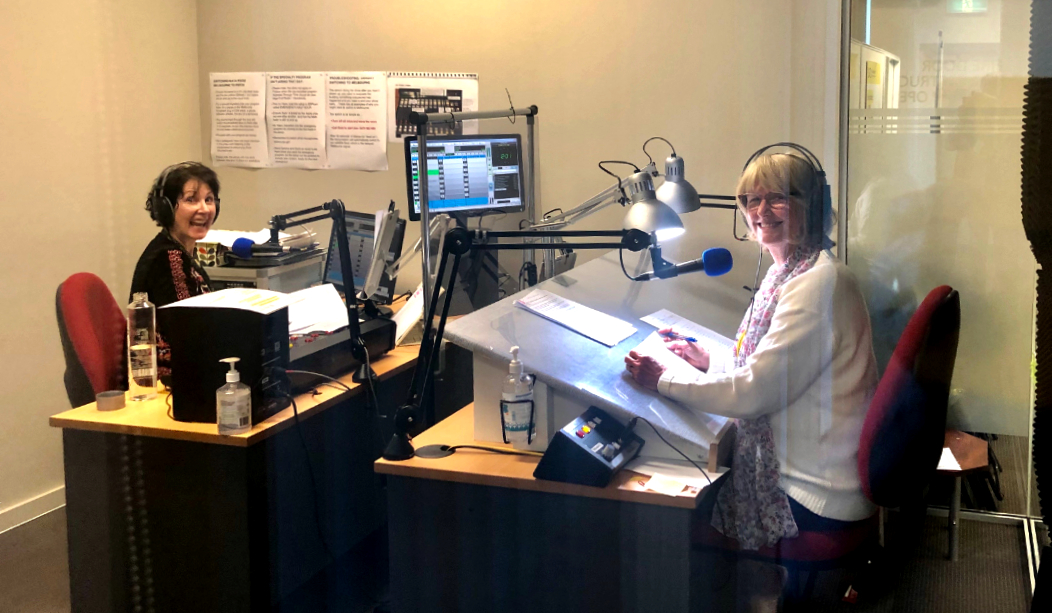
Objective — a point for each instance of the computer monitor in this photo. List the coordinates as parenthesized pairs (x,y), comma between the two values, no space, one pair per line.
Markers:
(467,174)
(361,236)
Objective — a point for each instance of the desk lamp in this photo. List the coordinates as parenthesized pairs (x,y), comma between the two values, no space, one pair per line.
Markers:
(335,210)
(676,191)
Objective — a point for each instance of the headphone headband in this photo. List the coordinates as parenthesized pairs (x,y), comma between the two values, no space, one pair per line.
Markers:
(821,187)
(157,197)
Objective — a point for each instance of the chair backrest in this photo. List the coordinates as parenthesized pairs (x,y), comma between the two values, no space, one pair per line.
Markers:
(94,333)
(905,425)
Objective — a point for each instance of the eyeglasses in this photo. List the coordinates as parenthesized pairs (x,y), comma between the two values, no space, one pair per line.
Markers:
(210,199)
(775,200)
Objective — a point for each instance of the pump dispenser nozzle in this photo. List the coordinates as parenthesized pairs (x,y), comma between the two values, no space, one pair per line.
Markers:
(515,366)
(233,376)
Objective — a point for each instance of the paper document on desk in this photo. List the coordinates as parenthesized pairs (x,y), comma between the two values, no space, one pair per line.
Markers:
(655,347)
(227,237)
(594,324)
(411,312)
(706,338)
(260,301)
(317,309)
(679,470)
(947,461)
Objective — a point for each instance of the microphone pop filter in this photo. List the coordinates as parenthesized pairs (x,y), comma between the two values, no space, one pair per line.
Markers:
(242,247)
(718,261)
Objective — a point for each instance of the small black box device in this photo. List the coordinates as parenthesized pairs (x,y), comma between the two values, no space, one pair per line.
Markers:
(330,354)
(589,450)
(200,336)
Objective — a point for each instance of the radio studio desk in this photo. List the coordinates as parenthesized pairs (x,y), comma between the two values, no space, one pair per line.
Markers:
(475,532)
(227,523)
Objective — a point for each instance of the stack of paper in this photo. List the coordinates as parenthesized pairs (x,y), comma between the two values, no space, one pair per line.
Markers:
(247,298)
(227,237)
(594,324)
(317,309)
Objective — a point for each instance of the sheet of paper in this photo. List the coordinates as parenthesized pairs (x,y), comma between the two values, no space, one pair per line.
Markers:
(680,470)
(706,338)
(947,461)
(317,309)
(669,486)
(227,237)
(356,119)
(239,129)
(246,298)
(408,315)
(594,324)
(296,119)
(655,347)
(430,92)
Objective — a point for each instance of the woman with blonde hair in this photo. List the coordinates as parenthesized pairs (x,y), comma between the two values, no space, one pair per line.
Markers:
(800,377)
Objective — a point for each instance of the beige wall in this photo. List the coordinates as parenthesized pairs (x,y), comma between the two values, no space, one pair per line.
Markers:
(98,96)
(102,94)
(713,77)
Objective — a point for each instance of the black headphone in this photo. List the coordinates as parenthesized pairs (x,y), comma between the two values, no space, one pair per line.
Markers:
(820,189)
(158,202)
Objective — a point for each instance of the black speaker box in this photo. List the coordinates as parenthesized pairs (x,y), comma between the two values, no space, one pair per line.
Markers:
(201,336)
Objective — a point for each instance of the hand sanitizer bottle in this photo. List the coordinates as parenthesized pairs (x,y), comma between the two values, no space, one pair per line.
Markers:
(516,403)
(233,402)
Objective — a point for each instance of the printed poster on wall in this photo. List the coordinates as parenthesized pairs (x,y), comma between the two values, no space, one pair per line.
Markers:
(430,92)
(356,119)
(296,119)
(239,129)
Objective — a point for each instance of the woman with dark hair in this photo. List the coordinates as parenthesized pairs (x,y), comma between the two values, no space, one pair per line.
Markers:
(800,378)
(184,201)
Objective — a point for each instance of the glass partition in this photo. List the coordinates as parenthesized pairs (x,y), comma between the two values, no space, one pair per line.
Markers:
(933,198)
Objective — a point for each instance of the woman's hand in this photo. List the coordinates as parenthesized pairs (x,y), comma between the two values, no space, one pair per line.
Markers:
(693,353)
(644,369)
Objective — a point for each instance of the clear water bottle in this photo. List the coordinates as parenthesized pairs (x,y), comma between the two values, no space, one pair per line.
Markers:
(142,348)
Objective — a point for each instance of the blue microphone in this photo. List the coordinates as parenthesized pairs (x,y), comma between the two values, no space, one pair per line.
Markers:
(245,248)
(714,262)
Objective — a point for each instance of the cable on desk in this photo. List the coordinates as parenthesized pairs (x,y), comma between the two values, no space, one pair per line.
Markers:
(502,450)
(318,374)
(315,392)
(632,424)
(313,479)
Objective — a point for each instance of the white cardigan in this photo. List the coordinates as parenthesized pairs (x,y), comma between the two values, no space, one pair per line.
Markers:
(814,373)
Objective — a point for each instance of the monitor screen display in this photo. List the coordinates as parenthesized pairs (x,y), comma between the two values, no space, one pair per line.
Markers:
(467,174)
(361,236)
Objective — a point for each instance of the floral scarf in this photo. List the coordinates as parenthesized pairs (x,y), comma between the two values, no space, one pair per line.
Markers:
(752,508)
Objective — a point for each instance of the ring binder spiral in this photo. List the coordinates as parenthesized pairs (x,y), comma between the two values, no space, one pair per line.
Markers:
(436,75)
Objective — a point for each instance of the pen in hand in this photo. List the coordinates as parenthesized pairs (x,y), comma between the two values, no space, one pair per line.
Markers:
(679,337)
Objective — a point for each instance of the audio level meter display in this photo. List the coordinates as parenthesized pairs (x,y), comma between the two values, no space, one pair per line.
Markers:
(469,174)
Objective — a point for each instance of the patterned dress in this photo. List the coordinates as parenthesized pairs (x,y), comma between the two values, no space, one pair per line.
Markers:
(752,508)
(167,273)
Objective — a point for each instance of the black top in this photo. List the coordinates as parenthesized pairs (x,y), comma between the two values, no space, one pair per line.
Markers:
(167,273)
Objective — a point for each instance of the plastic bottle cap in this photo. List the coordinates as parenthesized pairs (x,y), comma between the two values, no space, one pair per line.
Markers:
(110,400)
(233,376)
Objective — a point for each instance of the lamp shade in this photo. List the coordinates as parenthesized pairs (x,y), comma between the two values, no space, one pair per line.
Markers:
(647,213)
(676,191)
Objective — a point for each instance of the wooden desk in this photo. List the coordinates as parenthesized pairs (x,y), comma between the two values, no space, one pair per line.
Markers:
(229,523)
(151,418)
(476,532)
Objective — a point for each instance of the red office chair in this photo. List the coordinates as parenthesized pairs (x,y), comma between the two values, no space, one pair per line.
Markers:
(899,448)
(94,338)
